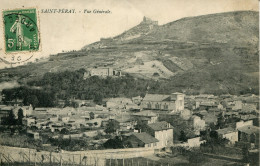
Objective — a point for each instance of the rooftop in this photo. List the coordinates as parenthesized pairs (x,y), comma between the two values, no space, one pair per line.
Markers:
(145,138)
(226,130)
(160,126)
(41,109)
(249,129)
(208,104)
(248,117)
(119,99)
(148,113)
(155,97)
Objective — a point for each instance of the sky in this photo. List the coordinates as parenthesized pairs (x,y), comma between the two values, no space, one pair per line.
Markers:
(60,31)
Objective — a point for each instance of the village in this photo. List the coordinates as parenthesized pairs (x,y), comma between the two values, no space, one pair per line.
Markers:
(156,121)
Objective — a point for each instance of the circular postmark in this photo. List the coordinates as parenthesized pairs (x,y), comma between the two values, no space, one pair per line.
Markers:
(21,35)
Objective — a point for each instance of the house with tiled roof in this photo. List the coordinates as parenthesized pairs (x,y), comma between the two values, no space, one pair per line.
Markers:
(173,102)
(148,116)
(249,134)
(163,131)
(136,140)
(228,133)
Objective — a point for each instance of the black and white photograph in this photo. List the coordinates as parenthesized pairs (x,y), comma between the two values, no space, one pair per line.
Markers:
(129,83)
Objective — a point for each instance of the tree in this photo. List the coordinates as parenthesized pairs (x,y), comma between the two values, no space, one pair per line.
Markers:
(212,126)
(98,98)
(196,158)
(213,134)
(20,117)
(156,74)
(91,115)
(32,99)
(245,154)
(213,140)
(115,143)
(183,136)
(141,125)
(11,118)
(142,94)
(64,131)
(221,121)
(112,126)
(67,103)
(74,104)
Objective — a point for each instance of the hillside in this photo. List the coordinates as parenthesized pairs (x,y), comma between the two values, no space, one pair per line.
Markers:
(229,28)
(207,54)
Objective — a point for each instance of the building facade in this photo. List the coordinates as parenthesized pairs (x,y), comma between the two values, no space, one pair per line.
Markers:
(173,102)
(162,131)
(249,134)
(136,140)
(228,133)
(102,72)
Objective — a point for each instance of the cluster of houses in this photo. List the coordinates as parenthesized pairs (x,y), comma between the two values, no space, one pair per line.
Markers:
(240,114)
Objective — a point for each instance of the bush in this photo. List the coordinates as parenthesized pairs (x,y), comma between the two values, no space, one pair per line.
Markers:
(115,143)
(156,74)
(196,158)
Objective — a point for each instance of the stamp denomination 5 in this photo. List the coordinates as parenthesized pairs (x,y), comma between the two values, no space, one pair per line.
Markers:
(21,32)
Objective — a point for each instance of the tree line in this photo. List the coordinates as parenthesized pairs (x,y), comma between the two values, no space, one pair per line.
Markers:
(69,85)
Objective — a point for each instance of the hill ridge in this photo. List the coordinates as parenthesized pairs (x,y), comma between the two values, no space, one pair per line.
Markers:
(209,53)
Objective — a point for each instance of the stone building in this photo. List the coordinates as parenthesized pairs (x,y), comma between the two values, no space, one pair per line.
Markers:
(101,72)
(249,134)
(136,140)
(173,102)
(228,133)
(162,131)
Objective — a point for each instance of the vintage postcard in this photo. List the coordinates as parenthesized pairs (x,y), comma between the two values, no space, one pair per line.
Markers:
(129,82)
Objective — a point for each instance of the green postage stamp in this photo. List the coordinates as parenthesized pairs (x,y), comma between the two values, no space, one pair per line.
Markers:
(21,32)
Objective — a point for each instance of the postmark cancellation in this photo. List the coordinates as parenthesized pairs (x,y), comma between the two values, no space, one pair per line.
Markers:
(21,34)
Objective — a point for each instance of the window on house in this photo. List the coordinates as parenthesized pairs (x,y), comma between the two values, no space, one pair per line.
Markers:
(149,105)
(157,106)
(165,107)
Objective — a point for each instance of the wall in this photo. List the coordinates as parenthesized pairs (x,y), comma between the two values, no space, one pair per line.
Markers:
(232,137)
(194,142)
(165,137)
(101,72)
(242,123)
(179,100)
(93,133)
(171,105)
(97,157)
